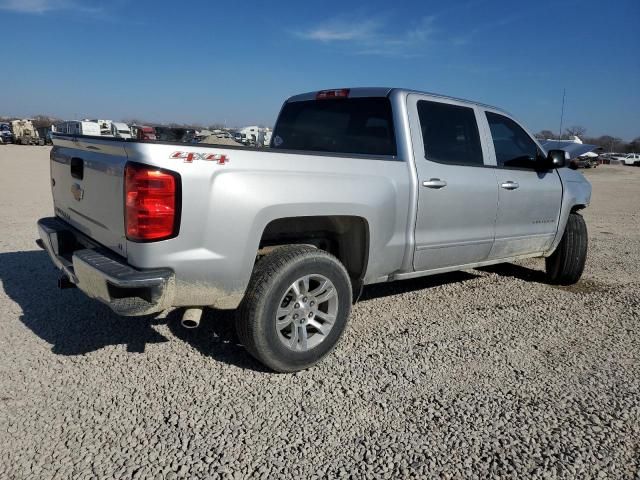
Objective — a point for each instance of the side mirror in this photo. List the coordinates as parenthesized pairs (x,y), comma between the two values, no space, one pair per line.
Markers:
(557,158)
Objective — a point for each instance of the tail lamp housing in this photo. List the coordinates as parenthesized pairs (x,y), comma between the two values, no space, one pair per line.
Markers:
(152,203)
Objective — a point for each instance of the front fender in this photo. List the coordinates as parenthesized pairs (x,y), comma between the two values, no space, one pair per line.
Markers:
(576,194)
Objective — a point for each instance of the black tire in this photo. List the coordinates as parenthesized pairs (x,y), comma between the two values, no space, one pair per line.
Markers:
(566,264)
(271,279)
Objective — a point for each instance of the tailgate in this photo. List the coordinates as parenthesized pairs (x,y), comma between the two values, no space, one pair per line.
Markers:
(87,176)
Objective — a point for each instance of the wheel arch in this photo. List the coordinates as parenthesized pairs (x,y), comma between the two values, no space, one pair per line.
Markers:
(347,237)
(577,207)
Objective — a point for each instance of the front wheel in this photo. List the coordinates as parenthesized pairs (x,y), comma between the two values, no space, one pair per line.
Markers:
(296,308)
(566,264)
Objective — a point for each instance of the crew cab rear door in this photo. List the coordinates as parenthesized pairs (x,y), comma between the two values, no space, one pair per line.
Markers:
(457,190)
(529,197)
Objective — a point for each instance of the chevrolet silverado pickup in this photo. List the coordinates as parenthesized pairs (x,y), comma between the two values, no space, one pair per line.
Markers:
(360,186)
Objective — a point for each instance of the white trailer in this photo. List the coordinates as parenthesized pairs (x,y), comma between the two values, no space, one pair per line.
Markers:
(105,126)
(77,127)
(254,135)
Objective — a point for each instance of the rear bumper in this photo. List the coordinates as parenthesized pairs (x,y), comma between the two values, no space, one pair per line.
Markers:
(104,276)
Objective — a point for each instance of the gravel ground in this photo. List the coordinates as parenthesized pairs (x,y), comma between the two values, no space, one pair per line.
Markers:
(485,373)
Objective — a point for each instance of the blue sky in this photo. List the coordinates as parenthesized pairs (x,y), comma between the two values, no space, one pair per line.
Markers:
(235,62)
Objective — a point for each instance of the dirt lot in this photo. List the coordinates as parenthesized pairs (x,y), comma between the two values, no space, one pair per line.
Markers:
(485,373)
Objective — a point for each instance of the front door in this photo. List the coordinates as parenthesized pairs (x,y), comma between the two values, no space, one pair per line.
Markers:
(458,195)
(529,196)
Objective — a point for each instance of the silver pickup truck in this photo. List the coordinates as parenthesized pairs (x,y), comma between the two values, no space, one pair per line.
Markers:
(360,186)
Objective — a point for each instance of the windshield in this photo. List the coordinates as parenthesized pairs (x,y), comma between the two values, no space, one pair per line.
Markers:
(345,125)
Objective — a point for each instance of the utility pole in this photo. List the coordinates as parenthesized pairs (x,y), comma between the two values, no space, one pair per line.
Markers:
(564,90)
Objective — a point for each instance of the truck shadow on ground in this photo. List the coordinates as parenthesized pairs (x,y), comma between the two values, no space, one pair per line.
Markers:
(72,323)
(399,287)
(516,271)
(75,325)
(215,337)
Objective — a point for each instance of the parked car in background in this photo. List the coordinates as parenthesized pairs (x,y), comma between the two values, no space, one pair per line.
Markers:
(360,186)
(78,127)
(5,133)
(631,159)
(611,158)
(120,130)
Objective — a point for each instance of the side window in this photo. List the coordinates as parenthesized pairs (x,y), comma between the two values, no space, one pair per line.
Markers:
(450,134)
(513,146)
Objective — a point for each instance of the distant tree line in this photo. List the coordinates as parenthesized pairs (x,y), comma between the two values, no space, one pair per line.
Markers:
(607,142)
(38,121)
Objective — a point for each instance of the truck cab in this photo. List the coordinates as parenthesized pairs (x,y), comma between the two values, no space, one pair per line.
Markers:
(120,130)
(145,132)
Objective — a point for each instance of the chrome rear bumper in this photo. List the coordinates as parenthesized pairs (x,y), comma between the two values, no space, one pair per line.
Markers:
(103,275)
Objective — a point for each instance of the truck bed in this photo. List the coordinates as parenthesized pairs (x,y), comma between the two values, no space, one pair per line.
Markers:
(229,195)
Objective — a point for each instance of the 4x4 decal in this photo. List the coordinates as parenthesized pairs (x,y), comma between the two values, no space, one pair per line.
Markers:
(189,157)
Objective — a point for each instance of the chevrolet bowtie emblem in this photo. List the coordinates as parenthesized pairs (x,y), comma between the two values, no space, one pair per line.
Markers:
(77,191)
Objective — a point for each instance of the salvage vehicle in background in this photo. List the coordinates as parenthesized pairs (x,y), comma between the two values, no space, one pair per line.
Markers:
(174,134)
(24,133)
(360,186)
(120,130)
(143,132)
(586,161)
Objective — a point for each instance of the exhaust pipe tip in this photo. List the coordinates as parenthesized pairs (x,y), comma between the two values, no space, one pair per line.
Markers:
(191,318)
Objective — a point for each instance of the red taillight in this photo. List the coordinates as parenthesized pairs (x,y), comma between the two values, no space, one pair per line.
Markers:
(151,203)
(340,93)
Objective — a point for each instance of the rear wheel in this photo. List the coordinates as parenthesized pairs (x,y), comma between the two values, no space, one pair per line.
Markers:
(566,264)
(296,308)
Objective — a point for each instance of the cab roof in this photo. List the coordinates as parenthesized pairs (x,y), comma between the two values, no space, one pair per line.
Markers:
(385,92)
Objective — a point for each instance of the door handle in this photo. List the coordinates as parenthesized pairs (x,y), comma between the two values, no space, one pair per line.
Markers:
(434,183)
(510,185)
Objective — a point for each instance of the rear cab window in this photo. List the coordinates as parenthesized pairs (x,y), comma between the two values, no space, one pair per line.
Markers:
(450,134)
(362,125)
